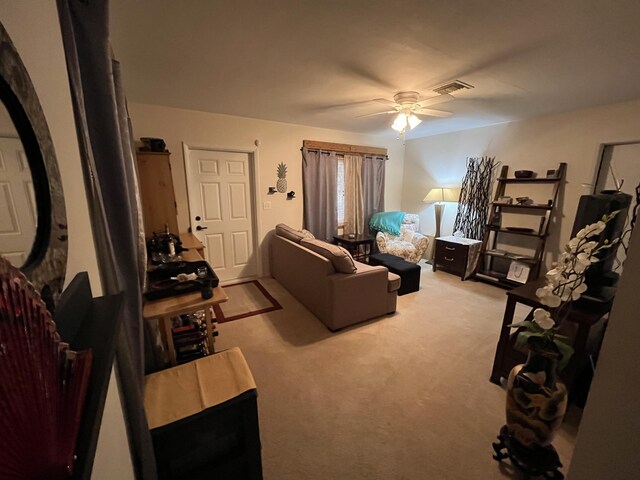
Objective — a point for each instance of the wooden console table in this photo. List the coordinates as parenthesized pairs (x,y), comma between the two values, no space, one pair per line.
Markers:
(165,308)
(584,315)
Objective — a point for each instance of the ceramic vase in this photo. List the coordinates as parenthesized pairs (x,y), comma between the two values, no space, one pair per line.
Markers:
(536,400)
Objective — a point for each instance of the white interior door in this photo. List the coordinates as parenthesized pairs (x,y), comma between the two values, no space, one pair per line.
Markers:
(17,202)
(221,210)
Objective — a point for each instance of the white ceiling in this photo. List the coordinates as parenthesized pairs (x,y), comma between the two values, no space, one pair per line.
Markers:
(319,63)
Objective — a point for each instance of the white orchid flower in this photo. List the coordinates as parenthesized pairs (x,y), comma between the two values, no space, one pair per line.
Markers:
(547,297)
(573,244)
(543,319)
(578,291)
(588,247)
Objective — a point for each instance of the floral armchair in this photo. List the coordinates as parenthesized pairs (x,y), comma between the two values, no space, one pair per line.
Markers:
(409,245)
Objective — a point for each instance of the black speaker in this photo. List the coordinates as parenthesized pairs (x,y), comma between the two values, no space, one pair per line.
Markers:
(591,208)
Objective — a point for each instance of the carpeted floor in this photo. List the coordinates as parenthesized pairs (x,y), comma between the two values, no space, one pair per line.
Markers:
(405,396)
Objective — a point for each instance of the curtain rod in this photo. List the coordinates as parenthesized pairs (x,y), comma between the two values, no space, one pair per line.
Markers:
(342,154)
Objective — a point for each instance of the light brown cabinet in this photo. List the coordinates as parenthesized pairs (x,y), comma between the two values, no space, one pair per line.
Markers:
(156,192)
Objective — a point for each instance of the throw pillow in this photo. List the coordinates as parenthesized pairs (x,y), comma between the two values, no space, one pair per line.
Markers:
(289,233)
(307,234)
(341,260)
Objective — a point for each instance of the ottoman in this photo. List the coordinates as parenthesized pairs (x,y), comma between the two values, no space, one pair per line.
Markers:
(203,417)
(409,272)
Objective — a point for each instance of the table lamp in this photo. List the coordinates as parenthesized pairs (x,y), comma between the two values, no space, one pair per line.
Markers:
(439,196)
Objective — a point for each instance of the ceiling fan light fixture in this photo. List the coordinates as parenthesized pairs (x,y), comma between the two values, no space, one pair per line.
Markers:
(400,123)
(413,121)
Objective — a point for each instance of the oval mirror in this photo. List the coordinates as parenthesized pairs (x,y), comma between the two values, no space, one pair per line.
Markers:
(18,207)
(33,225)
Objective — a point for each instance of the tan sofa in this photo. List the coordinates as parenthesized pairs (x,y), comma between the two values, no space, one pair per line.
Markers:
(338,299)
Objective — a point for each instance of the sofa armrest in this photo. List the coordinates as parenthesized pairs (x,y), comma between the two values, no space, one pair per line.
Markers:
(358,296)
(421,242)
(381,240)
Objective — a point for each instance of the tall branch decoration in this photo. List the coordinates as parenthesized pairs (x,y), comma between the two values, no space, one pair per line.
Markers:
(473,208)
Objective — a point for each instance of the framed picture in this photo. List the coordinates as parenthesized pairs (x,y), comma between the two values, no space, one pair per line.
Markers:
(518,272)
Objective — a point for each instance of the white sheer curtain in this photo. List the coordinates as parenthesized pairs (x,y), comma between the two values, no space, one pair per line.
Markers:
(353,195)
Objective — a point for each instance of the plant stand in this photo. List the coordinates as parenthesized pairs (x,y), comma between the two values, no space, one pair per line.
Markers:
(539,461)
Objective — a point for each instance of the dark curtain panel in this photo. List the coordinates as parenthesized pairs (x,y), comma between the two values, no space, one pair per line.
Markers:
(373,174)
(105,145)
(319,174)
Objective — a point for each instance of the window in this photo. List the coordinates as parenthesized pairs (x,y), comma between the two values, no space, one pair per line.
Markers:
(340,199)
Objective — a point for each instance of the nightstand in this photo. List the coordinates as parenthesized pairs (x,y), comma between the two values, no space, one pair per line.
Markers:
(456,255)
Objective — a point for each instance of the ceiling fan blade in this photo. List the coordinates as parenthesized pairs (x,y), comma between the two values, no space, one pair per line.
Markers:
(433,113)
(379,113)
(385,101)
(445,97)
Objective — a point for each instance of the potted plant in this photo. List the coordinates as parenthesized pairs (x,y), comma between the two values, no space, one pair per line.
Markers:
(536,400)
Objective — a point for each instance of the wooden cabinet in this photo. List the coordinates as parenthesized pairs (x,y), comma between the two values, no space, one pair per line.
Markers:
(495,262)
(156,192)
(456,255)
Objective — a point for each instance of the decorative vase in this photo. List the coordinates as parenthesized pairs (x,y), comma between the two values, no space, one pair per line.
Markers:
(536,401)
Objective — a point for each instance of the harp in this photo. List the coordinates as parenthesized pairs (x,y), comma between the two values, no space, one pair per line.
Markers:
(43,385)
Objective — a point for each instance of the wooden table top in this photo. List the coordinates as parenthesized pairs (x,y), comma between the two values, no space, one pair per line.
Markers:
(179,304)
(582,310)
(189,240)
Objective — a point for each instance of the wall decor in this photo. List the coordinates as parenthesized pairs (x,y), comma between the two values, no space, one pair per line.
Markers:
(281,185)
(473,206)
(45,262)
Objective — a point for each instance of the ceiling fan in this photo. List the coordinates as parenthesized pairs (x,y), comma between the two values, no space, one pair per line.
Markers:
(409,109)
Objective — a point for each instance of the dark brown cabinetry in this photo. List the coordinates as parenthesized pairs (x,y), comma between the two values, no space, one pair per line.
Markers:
(456,255)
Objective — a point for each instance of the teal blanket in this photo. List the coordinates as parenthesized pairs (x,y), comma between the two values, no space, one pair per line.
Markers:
(386,222)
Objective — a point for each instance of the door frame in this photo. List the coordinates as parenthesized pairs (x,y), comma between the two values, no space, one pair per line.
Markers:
(254,174)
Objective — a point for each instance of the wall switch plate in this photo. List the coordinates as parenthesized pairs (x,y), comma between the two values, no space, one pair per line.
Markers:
(266,205)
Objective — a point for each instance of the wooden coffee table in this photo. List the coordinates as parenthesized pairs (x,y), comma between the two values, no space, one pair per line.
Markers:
(353,245)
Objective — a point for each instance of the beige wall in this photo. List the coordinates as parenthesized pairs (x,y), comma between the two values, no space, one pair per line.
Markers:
(536,144)
(35,31)
(279,142)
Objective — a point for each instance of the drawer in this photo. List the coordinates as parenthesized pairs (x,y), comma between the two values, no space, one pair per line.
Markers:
(451,256)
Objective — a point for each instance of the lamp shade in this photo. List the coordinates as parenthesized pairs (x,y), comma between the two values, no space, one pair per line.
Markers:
(442,195)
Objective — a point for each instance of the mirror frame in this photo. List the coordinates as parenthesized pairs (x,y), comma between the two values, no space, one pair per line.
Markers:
(46,264)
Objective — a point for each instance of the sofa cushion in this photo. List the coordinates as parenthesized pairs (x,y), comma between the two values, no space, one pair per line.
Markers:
(289,233)
(307,234)
(341,260)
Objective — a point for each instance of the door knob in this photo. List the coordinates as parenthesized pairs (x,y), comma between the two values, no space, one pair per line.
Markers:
(201,228)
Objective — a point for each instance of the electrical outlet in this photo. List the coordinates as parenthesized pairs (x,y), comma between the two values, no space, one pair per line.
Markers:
(266,205)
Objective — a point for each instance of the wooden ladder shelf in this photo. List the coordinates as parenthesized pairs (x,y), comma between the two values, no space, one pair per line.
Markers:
(490,255)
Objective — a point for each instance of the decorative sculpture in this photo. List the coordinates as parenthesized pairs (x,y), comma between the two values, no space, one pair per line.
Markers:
(43,385)
(473,206)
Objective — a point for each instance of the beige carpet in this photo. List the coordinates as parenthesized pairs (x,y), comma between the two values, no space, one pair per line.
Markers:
(406,396)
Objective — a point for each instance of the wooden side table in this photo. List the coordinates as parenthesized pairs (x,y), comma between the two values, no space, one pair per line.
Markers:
(456,255)
(165,308)
(577,325)
(353,245)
